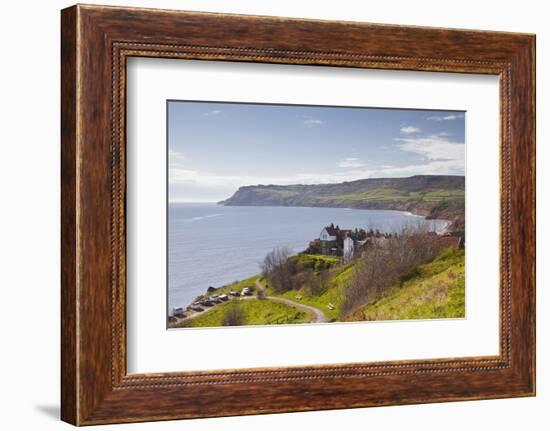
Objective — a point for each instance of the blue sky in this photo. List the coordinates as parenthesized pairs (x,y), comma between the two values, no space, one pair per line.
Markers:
(214,148)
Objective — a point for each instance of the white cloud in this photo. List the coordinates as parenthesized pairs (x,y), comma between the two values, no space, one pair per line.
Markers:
(192,177)
(409,130)
(212,113)
(449,117)
(175,157)
(439,156)
(433,147)
(442,155)
(350,162)
(447,167)
(175,153)
(312,122)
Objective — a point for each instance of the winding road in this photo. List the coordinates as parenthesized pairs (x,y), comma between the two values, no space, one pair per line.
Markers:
(319,315)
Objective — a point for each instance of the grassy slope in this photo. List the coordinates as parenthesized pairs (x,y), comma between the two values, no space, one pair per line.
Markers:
(436,292)
(382,195)
(391,194)
(428,189)
(256,311)
(331,293)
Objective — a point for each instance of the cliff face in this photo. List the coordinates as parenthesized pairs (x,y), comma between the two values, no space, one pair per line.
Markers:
(433,196)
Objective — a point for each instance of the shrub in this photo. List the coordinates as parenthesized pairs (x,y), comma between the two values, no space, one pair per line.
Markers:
(234,315)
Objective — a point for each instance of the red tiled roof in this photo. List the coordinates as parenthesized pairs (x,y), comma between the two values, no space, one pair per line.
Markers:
(332,231)
(337,232)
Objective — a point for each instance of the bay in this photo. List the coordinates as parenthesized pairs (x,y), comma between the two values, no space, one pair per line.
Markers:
(214,245)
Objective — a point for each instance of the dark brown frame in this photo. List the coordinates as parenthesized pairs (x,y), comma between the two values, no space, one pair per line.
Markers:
(96,41)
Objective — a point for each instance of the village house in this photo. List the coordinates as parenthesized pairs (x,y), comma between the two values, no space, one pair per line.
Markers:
(330,237)
(347,242)
(339,242)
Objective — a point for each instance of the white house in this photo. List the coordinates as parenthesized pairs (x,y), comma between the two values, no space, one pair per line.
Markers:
(328,234)
(334,240)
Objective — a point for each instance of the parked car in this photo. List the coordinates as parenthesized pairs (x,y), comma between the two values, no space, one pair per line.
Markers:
(178,312)
(197,308)
(247,291)
(234,293)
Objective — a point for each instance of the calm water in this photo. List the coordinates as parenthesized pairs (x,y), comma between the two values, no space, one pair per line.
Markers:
(213,245)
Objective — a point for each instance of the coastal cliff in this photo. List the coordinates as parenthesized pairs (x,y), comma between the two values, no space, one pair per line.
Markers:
(432,196)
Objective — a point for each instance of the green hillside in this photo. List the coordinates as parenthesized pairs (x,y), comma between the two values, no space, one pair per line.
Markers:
(437,291)
(254,311)
(323,288)
(431,290)
(433,196)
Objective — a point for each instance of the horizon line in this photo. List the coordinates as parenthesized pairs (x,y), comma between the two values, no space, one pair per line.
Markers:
(311,184)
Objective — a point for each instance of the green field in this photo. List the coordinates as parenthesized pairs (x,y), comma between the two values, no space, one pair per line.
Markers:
(381,194)
(437,291)
(256,312)
(390,194)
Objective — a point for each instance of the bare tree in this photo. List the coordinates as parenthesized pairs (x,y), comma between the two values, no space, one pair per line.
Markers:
(234,315)
(279,269)
(275,259)
(387,261)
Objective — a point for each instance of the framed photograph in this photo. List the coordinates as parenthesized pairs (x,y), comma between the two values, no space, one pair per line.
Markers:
(335,233)
(322,214)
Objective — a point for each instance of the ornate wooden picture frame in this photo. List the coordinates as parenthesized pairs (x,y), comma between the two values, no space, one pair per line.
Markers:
(96,41)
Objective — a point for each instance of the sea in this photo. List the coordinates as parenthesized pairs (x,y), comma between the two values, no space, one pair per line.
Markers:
(214,245)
